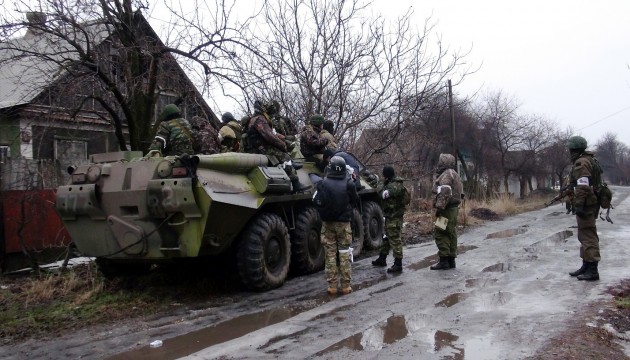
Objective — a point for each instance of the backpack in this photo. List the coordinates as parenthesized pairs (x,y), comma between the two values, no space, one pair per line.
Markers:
(604,195)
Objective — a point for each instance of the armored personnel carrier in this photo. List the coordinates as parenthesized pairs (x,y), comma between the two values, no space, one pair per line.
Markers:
(130,211)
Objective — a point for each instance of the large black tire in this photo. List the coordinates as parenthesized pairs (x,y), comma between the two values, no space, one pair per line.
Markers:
(112,269)
(307,252)
(264,253)
(357,233)
(373,225)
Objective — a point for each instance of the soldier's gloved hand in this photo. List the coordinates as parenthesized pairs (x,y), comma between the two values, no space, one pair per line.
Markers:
(385,194)
(438,213)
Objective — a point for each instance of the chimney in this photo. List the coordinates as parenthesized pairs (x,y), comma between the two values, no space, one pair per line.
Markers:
(36,21)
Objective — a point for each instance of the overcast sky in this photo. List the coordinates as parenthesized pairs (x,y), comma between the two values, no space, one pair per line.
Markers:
(565,59)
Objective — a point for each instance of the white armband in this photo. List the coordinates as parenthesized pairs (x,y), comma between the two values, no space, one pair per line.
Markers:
(583,181)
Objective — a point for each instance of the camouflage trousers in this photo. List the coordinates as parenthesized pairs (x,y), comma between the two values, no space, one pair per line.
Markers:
(336,238)
(587,235)
(276,157)
(446,240)
(393,241)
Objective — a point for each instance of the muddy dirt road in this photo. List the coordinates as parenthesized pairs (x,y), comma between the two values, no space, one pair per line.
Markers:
(509,294)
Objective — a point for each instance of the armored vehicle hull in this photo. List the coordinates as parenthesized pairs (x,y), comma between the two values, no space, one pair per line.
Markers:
(130,212)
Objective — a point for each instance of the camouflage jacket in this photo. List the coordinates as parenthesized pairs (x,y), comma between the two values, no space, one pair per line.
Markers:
(173,137)
(394,205)
(447,190)
(582,176)
(260,136)
(332,144)
(206,137)
(311,142)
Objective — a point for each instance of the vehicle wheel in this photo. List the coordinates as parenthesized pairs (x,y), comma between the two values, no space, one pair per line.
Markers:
(307,252)
(263,253)
(111,269)
(357,233)
(373,225)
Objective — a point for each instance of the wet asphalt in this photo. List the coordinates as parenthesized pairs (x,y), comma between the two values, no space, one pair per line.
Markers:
(509,293)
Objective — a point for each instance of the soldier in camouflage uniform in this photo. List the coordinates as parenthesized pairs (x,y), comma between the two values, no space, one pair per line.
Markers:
(328,132)
(448,191)
(261,139)
(312,145)
(174,135)
(394,197)
(584,177)
(282,129)
(206,137)
(335,198)
(230,133)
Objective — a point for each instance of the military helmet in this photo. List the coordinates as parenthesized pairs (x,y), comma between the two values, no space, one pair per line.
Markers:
(388,172)
(446,161)
(169,112)
(336,168)
(226,132)
(317,119)
(227,117)
(576,143)
(198,123)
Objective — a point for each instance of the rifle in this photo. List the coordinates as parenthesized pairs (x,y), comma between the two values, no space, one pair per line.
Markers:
(564,192)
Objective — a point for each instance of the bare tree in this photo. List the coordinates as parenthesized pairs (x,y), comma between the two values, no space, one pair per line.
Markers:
(336,59)
(109,46)
(612,154)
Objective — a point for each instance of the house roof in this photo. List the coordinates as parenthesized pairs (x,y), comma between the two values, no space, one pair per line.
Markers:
(24,76)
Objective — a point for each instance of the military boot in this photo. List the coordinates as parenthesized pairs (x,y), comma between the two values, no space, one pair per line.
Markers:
(397,267)
(442,265)
(591,273)
(297,186)
(451,262)
(380,261)
(579,271)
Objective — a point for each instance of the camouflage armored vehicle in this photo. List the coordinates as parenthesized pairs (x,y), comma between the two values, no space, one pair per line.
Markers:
(131,211)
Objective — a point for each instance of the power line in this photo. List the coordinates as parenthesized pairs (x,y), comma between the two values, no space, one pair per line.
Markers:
(605,117)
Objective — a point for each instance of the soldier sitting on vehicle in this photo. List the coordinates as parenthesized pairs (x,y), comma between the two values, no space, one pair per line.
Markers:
(230,133)
(206,137)
(312,144)
(262,140)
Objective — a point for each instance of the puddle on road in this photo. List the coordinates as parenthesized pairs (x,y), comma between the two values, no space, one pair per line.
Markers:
(550,241)
(500,267)
(231,329)
(353,343)
(446,342)
(479,282)
(394,329)
(452,300)
(432,259)
(506,233)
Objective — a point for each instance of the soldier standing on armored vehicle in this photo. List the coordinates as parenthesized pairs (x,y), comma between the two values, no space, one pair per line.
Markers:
(448,191)
(262,140)
(394,197)
(174,136)
(585,174)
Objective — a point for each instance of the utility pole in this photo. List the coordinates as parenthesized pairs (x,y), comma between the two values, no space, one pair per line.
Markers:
(450,105)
